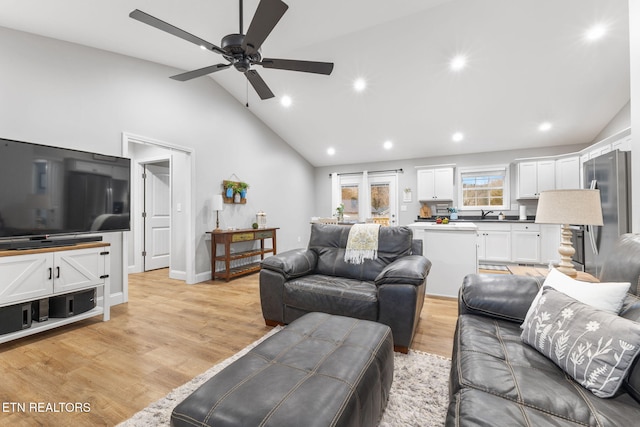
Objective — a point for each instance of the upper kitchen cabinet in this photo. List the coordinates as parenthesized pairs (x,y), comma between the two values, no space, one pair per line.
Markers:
(568,173)
(435,184)
(535,177)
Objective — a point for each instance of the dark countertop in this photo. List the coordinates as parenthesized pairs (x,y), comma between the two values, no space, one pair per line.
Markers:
(477,219)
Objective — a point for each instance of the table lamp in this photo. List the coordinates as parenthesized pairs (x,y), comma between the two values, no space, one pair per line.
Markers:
(569,207)
(217,206)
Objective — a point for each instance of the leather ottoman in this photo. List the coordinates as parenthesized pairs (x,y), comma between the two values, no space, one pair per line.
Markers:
(320,370)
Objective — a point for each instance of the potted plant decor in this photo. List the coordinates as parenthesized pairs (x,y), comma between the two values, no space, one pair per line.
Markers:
(230,189)
(242,188)
(340,212)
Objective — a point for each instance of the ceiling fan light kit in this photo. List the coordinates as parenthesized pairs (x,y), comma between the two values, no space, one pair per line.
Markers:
(242,50)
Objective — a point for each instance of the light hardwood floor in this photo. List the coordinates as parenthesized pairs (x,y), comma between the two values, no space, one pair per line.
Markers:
(166,334)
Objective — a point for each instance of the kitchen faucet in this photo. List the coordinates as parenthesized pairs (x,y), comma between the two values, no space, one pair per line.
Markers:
(484,214)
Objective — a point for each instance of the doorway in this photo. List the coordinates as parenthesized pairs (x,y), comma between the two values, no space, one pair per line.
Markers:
(180,236)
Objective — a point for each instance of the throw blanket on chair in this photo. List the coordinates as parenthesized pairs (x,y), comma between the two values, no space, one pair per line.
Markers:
(362,243)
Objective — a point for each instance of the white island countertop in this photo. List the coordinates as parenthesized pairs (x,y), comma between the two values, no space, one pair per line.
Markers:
(452,226)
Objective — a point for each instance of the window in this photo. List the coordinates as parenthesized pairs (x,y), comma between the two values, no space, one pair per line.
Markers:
(367,197)
(483,188)
(350,199)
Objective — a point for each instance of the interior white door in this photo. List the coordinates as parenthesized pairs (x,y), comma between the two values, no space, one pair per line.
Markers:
(157,217)
(383,201)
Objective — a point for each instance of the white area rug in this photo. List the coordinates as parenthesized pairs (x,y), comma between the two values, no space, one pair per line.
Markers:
(419,394)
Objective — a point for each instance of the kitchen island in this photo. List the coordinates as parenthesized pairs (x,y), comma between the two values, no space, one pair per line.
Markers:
(453,251)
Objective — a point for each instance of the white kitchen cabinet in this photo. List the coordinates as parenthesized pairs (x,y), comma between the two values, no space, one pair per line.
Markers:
(435,184)
(494,242)
(599,150)
(550,242)
(568,173)
(623,144)
(525,243)
(535,177)
(36,274)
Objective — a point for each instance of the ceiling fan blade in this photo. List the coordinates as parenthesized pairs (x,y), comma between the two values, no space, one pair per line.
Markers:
(259,85)
(294,65)
(265,19)
(168,28)
(200,72)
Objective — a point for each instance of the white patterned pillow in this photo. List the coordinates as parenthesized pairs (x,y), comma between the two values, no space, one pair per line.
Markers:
(594,347)
(605,296)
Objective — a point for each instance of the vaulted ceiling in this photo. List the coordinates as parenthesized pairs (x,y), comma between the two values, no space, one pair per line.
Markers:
(527,62)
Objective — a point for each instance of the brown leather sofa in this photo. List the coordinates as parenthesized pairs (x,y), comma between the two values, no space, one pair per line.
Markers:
(389,289)
(498,380)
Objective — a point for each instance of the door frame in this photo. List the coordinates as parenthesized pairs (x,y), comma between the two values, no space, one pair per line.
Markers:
(189,274)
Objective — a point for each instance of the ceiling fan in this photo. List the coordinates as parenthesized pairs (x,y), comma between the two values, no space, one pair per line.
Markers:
(242,50)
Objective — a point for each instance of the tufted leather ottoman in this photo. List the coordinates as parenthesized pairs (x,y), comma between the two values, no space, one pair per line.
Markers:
(321,370)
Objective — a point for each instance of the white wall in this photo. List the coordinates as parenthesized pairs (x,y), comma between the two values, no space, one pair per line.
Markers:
(634,52)
(622,120)
(62,94)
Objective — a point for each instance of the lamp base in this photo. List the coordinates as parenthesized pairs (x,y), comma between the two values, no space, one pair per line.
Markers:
(217,229)
(566,252)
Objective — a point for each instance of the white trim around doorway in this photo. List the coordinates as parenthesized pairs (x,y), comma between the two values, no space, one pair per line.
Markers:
(188,274)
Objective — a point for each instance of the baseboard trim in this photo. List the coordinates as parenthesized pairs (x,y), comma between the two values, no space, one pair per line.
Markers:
(178,275)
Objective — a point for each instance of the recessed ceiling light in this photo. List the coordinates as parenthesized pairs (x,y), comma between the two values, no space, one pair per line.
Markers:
(457,137)
(545,126)
(595,33)
(203,47)
(331,151)
(387,145)
(286,101)
(458,63)
(359,84)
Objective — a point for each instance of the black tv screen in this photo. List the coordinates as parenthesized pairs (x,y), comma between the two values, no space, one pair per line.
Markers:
(57,191)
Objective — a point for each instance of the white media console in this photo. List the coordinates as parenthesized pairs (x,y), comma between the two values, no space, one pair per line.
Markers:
(34,275)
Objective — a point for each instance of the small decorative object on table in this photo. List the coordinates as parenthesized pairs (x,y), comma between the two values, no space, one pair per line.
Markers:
(261,220)
(340,212)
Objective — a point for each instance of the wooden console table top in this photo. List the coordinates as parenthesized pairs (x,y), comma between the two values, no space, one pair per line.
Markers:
(543,271)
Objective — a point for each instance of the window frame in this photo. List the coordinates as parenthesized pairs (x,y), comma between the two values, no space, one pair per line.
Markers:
(463,172)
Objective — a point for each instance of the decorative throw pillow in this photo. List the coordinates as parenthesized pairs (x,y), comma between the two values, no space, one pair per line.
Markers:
(605,296)
(594,347)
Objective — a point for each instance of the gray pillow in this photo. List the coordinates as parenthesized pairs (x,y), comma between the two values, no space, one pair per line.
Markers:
(594,347)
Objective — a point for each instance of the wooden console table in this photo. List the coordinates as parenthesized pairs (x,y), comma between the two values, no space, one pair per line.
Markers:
(229,237)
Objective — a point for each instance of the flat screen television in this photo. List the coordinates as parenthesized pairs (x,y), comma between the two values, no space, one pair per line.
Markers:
(48,192)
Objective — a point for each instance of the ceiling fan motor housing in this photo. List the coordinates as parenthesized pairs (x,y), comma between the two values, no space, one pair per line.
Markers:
(232,44)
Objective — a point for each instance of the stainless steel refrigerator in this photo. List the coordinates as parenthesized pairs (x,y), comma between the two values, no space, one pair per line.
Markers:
(611,174)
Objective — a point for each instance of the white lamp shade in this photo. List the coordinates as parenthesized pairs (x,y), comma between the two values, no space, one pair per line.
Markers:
(217,202)
(579,207)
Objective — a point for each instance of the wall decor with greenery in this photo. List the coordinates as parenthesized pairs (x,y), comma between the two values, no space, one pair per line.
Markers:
(234,191)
